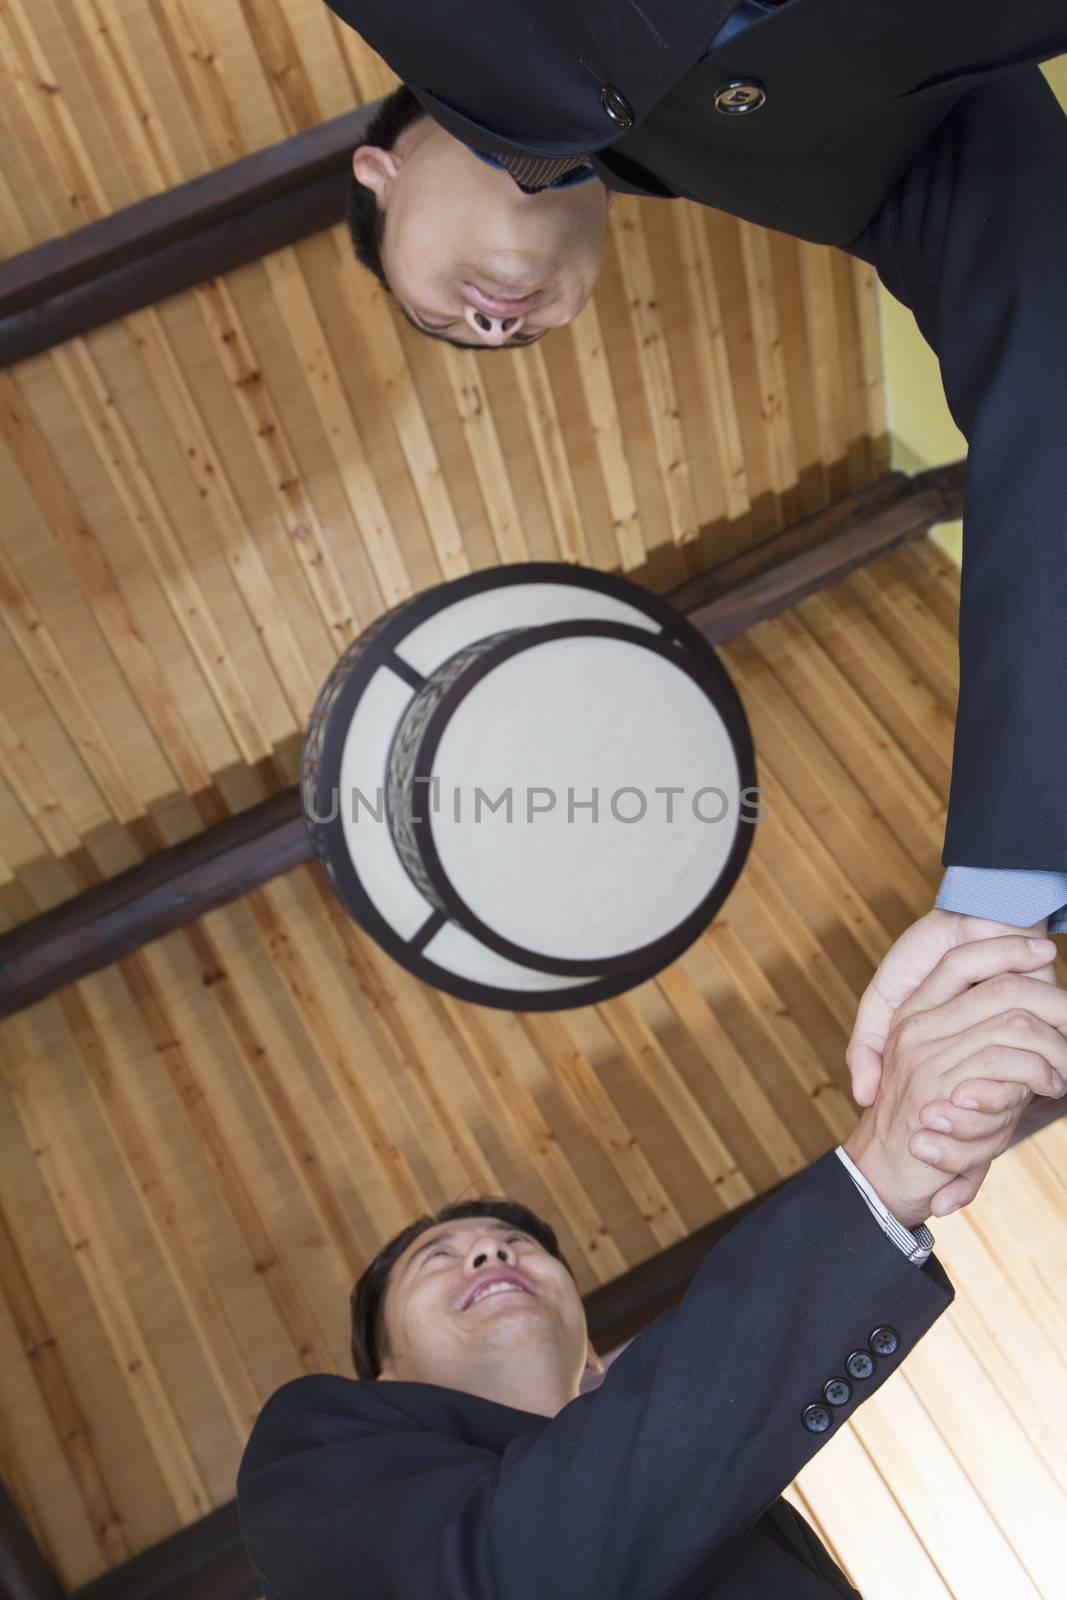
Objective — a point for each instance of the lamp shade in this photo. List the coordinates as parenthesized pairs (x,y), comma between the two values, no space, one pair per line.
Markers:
(533,786)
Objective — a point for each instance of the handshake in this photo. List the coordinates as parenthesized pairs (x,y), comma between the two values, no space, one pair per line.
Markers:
(946,1074)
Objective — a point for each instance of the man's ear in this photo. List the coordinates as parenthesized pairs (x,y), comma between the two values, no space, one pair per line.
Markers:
(612,196)
(593,1362)
(375,169)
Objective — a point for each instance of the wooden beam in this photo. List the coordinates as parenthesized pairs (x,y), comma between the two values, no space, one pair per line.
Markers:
(24,1572)
(173,241)
(179,885)
(171,889)
(779,571)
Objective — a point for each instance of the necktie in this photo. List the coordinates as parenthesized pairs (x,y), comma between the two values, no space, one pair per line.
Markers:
(533,173)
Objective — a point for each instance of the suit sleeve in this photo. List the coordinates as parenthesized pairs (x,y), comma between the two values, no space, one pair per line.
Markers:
(645,1486)
(974,240)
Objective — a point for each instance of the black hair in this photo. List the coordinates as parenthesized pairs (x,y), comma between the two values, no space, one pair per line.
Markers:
(370,1343)
(366,219)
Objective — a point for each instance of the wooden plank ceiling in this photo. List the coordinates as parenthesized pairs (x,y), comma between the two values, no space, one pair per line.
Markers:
(201,1147)
(208,500)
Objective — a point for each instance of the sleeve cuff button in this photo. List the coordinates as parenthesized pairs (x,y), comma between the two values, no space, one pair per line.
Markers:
(837,1392)
(884,1341)
(860,1364)
(815,1418)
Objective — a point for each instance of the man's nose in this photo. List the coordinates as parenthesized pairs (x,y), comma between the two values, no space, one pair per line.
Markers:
(490,329)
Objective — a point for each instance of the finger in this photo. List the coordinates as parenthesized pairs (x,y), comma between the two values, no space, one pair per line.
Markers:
(1015,1047)
(960,1192)
(903,967)
(864,1061)
(968,964)
(1007,992)
(984,1094)
(970,928)
(863,1057)
(941,1116)
(954,1156)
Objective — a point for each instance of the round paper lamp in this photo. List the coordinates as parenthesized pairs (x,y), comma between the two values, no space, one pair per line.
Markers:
(533,786)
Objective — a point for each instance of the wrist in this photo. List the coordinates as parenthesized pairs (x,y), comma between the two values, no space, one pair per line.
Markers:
(867,1151)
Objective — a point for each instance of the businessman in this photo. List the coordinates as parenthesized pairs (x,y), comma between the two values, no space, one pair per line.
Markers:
(920,138)
(465,1465)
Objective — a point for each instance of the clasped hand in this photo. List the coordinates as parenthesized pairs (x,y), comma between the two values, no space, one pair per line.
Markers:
(982,1034)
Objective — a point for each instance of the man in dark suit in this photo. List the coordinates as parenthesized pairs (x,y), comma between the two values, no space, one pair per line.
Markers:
(918,135)
(466,1466)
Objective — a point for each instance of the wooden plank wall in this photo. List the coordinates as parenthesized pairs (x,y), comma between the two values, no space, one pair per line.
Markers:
(203,1146)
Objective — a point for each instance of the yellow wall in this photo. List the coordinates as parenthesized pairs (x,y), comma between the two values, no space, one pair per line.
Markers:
(922,432)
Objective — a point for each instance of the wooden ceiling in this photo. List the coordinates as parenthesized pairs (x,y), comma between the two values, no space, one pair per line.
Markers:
(202,1146)
(110,101)
(209,499)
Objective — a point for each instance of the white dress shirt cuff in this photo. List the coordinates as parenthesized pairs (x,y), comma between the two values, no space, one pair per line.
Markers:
(916,1243)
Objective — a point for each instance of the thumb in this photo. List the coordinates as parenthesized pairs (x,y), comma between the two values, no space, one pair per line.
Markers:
(902,970)
(864,1054)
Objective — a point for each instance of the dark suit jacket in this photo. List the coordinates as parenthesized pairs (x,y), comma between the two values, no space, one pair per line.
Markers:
(662,1484)
(916,134)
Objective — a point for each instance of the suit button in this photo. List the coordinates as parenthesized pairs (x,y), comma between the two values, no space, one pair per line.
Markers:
(740,96)
(617,106)
(859,1364)
(815,1418)
(837,1392)
(884,1341)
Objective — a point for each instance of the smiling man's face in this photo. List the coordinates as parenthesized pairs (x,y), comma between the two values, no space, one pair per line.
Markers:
(523,1345)
(470,257)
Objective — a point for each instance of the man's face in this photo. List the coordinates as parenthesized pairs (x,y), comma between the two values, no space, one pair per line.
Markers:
(467,254)
(525,1344)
